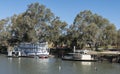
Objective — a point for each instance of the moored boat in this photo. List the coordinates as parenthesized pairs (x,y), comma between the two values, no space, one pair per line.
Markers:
(79,56)
(30,50)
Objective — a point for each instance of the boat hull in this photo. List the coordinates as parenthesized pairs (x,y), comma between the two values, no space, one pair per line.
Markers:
(73,59)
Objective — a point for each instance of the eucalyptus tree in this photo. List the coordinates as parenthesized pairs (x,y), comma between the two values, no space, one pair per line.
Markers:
(31,25)
(118,39)
(38,23)
(91,34)
(24,28)
(110,34)
(48,26)
(4,33)
(2,22)
(41,18)
(56,31)
(85,28)
(88,28)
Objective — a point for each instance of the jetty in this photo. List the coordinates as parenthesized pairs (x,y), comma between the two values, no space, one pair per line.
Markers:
(111,56)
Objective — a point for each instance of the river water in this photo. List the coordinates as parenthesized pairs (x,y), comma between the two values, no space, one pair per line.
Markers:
(54,66)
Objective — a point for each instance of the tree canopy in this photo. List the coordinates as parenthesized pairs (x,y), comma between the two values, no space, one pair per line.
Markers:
(91,29)
(38,24)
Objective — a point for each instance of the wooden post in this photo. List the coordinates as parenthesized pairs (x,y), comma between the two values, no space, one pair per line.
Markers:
(74,50)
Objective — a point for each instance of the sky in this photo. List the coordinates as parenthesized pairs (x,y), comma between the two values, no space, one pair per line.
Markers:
(66,9)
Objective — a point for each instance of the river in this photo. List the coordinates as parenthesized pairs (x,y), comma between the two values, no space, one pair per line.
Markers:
(54,66)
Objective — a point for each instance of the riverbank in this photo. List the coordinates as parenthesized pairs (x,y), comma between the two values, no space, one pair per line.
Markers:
(111,56)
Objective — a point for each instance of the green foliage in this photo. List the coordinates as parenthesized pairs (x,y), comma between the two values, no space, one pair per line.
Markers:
(118,39)
(92,29)
(38,23)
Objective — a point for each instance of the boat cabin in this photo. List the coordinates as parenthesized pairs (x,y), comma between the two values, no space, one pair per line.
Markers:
(30,49)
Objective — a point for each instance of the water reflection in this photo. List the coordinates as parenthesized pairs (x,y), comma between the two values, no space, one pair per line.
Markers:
(86,63)
(10,59)
(54,66)
(43,60)
(19,60)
